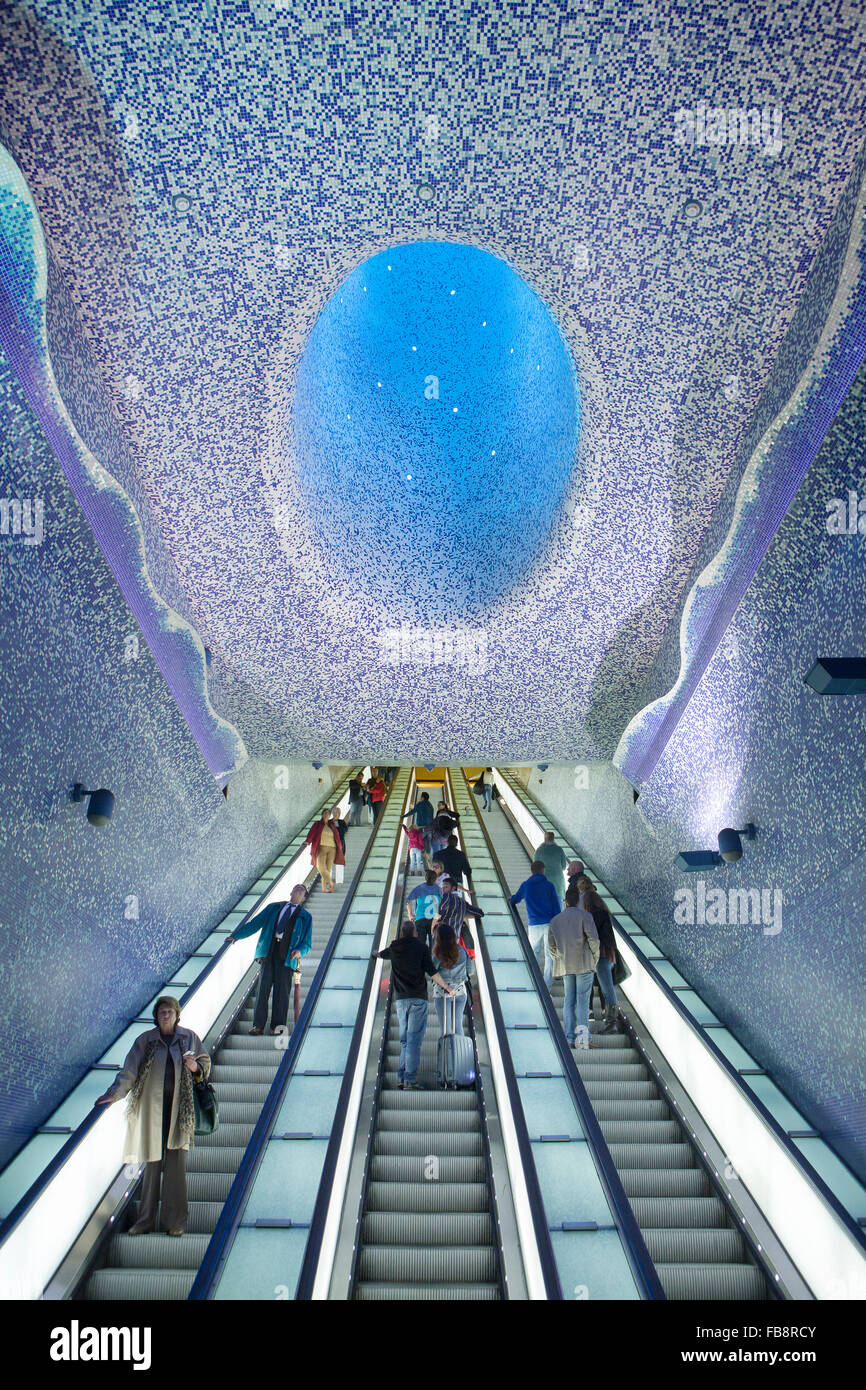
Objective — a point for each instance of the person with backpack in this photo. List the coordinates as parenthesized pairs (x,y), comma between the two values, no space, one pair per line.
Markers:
(455,966)
(573,946)
(422,905)
(542,905)
(411,963)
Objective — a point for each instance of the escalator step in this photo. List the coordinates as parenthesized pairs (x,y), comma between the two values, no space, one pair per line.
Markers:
(413,1264)
(156,1251)
(426,1293)
(652,1155)
(428,1168)
(395,1141)
(641,1131)
(665,1182)
(214,1159)
(717,1245)
(679,1211)
(139,1285)
(432,1120)
(593,1070)
(427,1196)
(428,1100)
(208,1187)
(427,1228)
(643,1110)
(620,1090)
(723,1283)
(236,1112)
(226,1136)
(244,1077)
(247,1092)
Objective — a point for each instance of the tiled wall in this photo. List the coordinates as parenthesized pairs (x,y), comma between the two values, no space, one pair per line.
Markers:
(81,699)
(756,744)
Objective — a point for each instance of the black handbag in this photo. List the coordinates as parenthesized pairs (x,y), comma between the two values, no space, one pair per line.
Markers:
(207,1111)
(620,970)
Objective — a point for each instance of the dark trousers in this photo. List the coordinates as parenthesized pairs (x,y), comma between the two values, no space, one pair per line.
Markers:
(171,1168)
(175,1209)
(276,977)
(377,810)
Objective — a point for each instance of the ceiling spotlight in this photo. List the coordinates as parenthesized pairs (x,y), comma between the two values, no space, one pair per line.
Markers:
(425,192)
(181,202)
(542,767)
(317,766)
(100,806)
(692,209)
(730,846)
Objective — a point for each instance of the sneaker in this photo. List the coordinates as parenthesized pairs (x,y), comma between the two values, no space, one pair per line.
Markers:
(256,1032)
(412,1086)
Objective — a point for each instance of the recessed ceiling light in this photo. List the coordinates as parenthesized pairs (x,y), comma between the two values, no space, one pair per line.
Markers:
(453,291)
(512,349)
(692,209)
(455,410)
(378,383)
(389,267)
(181,202)
(425,192)
(414,349)
(365,289)
(493,451)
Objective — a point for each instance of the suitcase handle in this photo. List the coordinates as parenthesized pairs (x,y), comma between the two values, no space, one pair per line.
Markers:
(452,999)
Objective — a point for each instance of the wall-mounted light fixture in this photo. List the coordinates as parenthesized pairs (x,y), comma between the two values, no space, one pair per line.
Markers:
(101,804)
(838,675)
(691,861)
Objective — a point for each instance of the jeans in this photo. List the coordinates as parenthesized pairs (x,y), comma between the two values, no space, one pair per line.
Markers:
(604,971)
(415,865)
(538,942)
(355,809)
(577,990)
(456,1014)
(488,797)
(412,1014)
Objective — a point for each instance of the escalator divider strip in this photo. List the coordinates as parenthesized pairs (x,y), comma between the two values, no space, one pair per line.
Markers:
(544,1246)
(230,1217)
(324,1195)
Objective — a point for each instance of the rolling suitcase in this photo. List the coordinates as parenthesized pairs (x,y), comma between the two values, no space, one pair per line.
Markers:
(455,1061)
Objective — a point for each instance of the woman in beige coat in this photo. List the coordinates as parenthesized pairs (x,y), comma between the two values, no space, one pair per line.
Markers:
(157,1077)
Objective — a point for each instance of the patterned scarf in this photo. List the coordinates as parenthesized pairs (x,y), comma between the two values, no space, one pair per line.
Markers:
(186,1105)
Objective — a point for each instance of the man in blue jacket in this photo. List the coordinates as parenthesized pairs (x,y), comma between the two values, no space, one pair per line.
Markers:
(285,934)
(542,905)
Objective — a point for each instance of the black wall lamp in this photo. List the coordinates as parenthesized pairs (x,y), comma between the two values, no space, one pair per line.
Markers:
(101,805)
(691,861)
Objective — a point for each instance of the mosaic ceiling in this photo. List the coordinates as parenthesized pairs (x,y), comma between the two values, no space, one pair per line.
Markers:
(658,209)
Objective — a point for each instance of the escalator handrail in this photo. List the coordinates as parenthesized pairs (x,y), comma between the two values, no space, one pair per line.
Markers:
(644,1271)
(221,1241)
(797,1156)
(61,1158)
(312,1251)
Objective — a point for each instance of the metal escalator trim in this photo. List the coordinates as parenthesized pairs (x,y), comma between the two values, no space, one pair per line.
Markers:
(224,1232)
(310,1283)
(704,1036)
(643,1270)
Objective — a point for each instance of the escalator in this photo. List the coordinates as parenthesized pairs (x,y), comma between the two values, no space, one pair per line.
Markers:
(427,1229)
(159,1266)
(696,1248)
